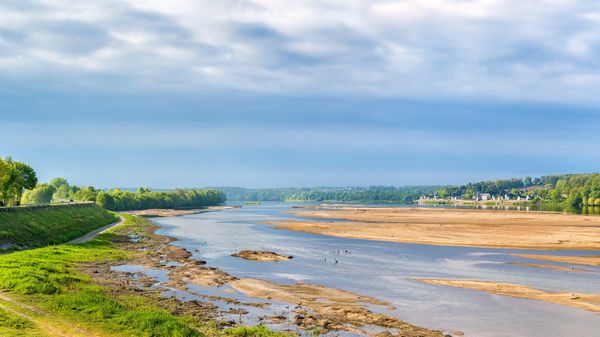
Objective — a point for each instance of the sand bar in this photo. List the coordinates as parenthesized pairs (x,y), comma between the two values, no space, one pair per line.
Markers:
(549,266)
(581,260)
(454,227)
(581,301)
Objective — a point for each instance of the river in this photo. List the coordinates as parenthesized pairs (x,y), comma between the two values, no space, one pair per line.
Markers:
(388,271)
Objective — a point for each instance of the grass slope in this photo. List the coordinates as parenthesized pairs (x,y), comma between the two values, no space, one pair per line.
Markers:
(28,228)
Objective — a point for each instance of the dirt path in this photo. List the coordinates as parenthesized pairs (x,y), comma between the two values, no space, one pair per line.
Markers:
(91,235)
(43,322)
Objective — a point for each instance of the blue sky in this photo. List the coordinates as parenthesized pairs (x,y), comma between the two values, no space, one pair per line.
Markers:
(304,93)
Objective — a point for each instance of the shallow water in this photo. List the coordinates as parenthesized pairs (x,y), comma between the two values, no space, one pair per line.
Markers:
(387,271)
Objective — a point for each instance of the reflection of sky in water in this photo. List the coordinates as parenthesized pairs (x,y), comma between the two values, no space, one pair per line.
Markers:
(386,270)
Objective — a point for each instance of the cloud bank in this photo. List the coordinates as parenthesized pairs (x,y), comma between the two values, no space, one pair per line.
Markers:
(544,50)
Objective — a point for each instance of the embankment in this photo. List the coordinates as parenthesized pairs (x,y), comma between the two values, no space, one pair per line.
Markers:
(29,227)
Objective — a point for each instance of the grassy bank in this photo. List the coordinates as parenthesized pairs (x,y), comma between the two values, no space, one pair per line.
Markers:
(52,293)
(36,227)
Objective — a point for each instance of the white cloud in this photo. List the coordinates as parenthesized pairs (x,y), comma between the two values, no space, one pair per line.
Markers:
(508,49)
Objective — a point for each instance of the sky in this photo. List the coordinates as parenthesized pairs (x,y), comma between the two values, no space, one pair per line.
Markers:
(264,93)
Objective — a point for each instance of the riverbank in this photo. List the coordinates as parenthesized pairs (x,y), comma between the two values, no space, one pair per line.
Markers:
(75,290)
(453,227)
(110,286)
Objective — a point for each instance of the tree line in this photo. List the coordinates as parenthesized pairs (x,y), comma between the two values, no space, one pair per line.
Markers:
(382,194)
(19,185)
(572,189)
(59,190)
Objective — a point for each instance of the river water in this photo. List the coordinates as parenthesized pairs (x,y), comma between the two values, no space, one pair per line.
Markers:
(387,271)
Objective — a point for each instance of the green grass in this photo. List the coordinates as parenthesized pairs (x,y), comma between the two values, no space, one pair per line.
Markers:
(26,228)
(48,279)
(9,321)
(255,331)
(13,326)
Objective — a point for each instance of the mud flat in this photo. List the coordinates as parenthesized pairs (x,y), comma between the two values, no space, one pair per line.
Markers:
(310,306)
(453,227)
(256,255)
(589,302)
(330,309)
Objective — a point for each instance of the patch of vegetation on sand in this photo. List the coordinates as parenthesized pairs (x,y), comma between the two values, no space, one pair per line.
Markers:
(255,331)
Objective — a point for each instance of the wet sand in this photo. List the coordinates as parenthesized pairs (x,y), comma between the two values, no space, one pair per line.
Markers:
(581,260)
(589,302)
(256,255)
(453,227)
(332,309)
(549,266)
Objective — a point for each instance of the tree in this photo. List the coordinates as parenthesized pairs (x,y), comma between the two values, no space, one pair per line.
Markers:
(87,193)
(5,172)
(59,182)
(41,194)
(469,193)
(63,193)
(105,200)
(20,177)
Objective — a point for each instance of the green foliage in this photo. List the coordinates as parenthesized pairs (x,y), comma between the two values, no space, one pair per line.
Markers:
(143,198)
(347,194)
(255,331)
(59,182)
(105,200)
(570,189)
(15,177)
(41,194)
(493,187)
(36,227)
(9,321)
